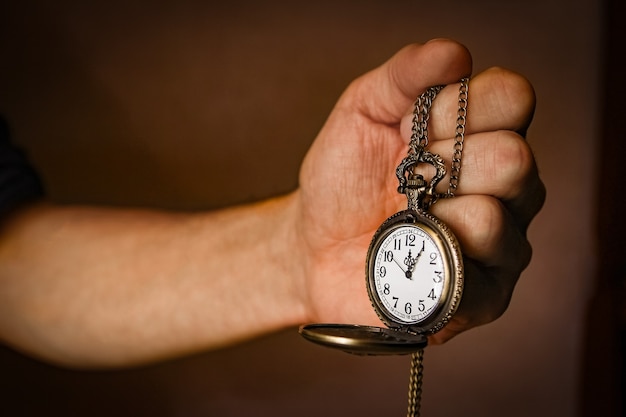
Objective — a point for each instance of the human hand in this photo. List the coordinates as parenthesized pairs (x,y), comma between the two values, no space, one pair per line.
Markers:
(348,187)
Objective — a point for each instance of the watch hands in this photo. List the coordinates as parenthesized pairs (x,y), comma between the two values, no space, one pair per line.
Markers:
(410,262)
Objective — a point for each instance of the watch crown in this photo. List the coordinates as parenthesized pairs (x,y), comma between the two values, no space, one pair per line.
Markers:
(416,181)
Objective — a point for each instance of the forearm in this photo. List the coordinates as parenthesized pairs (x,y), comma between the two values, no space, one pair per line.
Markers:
(101,287)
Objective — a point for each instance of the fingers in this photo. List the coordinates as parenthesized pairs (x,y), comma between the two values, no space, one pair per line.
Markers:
(498,99)
(487,231)
(485,298)
(499,190)
(498,164)
(384,94)
(496,159)
(495,253)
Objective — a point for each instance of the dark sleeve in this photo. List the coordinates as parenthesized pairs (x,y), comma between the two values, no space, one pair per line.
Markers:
(19,182)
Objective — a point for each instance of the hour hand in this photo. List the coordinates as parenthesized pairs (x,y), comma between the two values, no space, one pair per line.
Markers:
(410,262)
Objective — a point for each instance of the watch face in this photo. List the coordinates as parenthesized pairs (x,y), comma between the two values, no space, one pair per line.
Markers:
(414,272)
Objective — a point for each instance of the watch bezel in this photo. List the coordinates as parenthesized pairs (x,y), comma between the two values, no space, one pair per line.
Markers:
(447,244)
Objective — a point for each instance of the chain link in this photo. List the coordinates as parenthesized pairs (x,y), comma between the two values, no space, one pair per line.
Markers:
(415,383)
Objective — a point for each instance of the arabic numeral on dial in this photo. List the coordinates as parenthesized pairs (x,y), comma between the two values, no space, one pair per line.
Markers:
(438,276)
(387,289)
(421,307)
(397,244)
(433,258)
(382,271)
(408,308)
(410,240)
(431,294)
(388,256)
(395,302)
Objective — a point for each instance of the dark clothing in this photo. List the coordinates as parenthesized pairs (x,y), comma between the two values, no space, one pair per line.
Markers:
(19,182)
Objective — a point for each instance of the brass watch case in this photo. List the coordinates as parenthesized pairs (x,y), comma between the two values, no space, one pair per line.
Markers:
(447,244)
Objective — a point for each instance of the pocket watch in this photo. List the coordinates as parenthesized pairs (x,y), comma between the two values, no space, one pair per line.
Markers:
(414,266)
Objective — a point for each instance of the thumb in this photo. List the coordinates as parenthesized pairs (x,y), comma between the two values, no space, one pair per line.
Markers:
(384,94)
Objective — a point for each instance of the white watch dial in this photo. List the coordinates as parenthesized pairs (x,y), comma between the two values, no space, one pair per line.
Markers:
(409,274)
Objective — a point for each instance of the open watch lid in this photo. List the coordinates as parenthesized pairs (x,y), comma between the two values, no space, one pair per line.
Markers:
(364,340)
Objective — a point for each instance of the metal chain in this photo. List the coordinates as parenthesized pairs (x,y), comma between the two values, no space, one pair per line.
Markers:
(421,114)
(415,383)
(459,137)
(419,131)
(419,139)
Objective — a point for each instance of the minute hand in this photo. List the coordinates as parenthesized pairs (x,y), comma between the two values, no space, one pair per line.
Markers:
(406,273)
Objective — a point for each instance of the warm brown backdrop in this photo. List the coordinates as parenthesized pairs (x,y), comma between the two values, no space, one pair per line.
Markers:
(191,105)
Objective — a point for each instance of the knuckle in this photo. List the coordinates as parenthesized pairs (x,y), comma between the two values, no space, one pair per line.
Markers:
(516,96)
(485,224)
(512,164)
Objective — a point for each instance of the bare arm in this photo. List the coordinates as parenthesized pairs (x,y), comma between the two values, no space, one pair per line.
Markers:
(104,287)
(90,286)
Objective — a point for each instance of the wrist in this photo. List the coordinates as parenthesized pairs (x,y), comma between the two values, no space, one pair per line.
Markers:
(262,263)
(287,252)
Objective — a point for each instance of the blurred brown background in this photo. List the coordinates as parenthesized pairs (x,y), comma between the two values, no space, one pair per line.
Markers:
(195,105)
